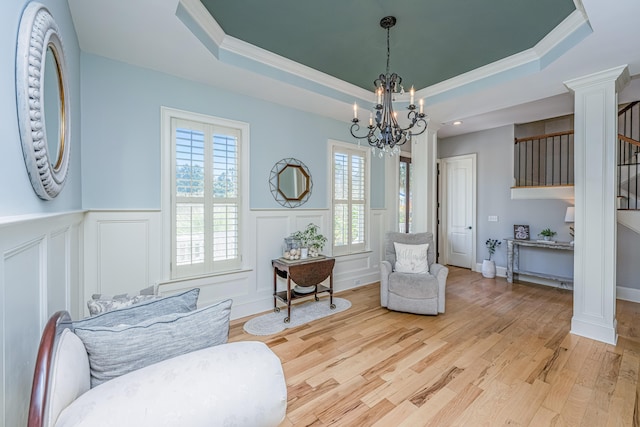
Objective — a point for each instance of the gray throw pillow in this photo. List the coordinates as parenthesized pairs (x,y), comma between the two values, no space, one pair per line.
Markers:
(102,305)
(134,314)
(117,350)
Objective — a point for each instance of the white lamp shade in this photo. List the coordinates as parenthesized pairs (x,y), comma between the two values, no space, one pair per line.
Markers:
(570,216)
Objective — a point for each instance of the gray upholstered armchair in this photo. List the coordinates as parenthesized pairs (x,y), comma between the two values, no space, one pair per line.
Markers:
(413,293)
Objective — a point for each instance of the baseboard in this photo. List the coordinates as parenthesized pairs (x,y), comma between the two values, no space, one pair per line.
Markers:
(500,271)
(622,292)
(544,282)
(595,331)
(628,294)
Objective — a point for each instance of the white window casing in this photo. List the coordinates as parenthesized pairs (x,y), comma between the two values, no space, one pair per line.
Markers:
(204,191)
(349,197)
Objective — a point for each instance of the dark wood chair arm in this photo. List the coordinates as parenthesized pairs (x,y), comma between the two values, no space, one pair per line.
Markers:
(40,387)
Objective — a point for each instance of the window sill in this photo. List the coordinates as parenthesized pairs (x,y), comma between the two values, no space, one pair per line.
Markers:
(204,276)
(365,252)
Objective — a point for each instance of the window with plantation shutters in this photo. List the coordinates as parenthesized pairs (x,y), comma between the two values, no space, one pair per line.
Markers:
(350,191)
(206,200)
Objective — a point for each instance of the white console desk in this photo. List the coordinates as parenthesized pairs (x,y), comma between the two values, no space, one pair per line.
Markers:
(513,258)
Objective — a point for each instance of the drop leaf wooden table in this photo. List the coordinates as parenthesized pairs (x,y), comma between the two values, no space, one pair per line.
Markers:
(305,272)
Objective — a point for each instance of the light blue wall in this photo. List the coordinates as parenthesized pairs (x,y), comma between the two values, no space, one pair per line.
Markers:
(121,133)
(16,194)
(494,150)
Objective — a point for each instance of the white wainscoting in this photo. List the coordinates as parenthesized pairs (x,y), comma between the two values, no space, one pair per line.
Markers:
(123,254)
(39,274)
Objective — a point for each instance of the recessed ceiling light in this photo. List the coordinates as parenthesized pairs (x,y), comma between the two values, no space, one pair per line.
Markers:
(457,123)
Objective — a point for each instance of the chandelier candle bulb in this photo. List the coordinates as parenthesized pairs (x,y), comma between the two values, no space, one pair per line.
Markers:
(422,106)
(370,120)
(355,110)
(412,92)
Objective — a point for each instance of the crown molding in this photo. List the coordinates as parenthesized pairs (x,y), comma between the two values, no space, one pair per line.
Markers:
(265,57)
(202,17)
(482,73)
(236,52)
(580,7)
(198,15)
(571,24)
(619,75)
(515,64)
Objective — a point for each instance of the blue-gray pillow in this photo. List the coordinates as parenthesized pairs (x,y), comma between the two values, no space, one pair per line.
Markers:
(134,314)
(101,303)
(117,350)
(97,306)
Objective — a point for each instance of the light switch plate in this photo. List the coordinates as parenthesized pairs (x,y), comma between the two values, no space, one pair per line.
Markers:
(493,218)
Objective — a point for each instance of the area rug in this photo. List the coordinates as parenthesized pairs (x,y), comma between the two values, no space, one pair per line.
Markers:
(301,313)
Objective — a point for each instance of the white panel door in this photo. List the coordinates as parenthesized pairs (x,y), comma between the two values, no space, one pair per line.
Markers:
(459,211)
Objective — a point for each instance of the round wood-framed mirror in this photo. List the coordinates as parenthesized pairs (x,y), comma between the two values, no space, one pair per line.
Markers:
(42,98)
(290,182)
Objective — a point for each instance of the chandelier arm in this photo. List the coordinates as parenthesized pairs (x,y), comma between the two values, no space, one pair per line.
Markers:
(420,123)
(415,119)
(355,127)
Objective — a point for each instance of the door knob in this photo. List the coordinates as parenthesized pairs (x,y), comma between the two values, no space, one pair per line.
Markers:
(469,227)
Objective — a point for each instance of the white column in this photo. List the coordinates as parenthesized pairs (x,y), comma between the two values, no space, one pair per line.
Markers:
(596,130)
(391,179)
(424,156)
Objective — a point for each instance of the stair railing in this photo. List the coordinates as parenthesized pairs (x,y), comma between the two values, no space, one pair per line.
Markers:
(544,160)
(547,160)
(628,157)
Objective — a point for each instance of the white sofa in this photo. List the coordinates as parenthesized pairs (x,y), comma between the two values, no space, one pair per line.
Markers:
(233,384)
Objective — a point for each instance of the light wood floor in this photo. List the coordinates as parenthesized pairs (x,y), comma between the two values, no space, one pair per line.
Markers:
(500,355)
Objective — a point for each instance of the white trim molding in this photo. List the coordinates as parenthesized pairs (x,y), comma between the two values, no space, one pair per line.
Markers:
(194,15)
(628,294)
(564,192)
(596,123)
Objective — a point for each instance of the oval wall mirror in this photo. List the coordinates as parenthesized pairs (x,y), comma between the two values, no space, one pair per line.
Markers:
(43,107)
(51,101)
(290,182)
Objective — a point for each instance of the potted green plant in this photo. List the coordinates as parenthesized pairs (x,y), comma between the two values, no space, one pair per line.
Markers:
(311,239)
(488,265)
(547,234)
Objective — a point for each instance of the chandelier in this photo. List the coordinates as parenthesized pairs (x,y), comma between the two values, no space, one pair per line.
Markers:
(385,134)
